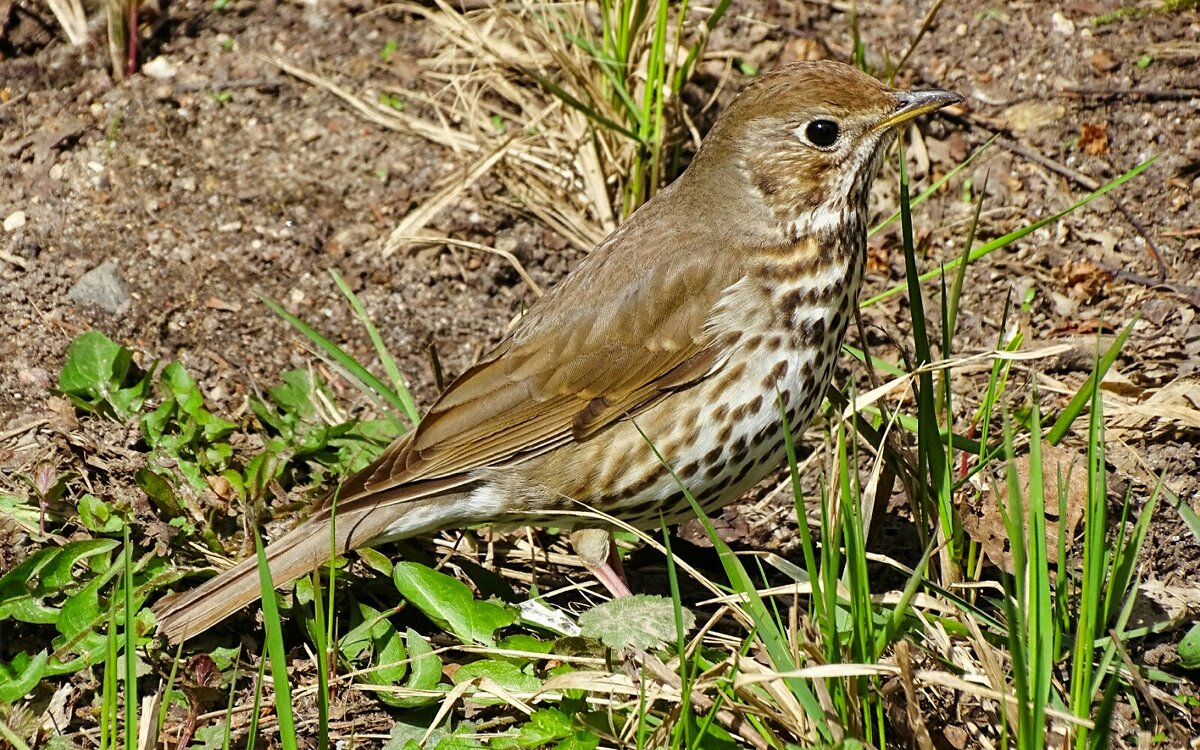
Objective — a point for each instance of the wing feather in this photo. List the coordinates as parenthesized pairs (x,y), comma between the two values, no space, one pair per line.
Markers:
(609,341)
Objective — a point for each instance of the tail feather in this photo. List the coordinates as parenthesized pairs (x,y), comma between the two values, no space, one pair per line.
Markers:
(365,521)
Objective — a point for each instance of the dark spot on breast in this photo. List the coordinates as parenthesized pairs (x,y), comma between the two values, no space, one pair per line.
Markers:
(771,454)
(639,486)
(673,501)
(726,432)
(713,457)
(744,471)
(754,341)
(739,447)
(814,330)
(801,296)
(689,470)
(719,413)
(755,404)
(835,323)
(776,374)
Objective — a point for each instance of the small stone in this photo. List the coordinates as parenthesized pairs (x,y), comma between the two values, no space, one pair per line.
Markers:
(160,68)
(57,171)
(102,287)
(1062,24)
(310,131)
(14,221)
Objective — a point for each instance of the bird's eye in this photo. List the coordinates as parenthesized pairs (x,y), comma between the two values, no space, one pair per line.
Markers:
(822,133)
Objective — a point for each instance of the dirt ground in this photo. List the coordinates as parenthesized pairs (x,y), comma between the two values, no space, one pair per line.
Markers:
(220,178)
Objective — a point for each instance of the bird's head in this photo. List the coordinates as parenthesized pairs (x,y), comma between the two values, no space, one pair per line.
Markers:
(802,143)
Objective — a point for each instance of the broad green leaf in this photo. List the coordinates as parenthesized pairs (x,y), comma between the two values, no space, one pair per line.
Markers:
(96,516)
(640,621)
(95,364)
(448,602)
(545,726)
(426,671)
(19,677)
(376,561)
(1189,649)
(505,674)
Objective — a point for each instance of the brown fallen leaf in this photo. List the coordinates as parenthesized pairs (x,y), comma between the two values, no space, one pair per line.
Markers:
(1060,469)
(1093,139)
(1172,409)
(1083,279)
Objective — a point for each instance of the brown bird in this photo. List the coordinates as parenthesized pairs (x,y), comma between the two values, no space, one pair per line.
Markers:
(729,289)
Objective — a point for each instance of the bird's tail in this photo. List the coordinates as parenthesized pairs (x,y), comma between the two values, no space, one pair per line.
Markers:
(366,521)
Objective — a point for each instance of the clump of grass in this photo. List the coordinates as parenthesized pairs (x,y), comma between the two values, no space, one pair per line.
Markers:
(575,108)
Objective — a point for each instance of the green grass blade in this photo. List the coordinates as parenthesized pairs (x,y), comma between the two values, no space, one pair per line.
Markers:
(227,736)
(999,242)
(399,385)
(933,188)
(373,385)
(275,650)
(130,651)
(773,640)
(256,711)
(1089,390)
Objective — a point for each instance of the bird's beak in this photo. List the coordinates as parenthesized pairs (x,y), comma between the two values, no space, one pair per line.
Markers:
(916,103)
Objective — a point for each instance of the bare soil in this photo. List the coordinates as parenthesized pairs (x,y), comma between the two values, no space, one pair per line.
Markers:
(224,179)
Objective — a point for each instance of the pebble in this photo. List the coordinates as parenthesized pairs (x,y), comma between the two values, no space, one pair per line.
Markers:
(1062,24)
(102,287)
(160,68)
(14,221)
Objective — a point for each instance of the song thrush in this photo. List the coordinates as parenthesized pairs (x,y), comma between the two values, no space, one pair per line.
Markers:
(729,289)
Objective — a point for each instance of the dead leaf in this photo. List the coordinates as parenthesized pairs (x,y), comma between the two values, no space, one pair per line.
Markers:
(1032,115)
(878,259)
(1060,468)
(1093,139)
(216,303)
(1083,279)
(1173,408)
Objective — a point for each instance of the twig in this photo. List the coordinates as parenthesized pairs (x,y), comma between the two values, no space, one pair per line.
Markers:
(1190,293)
(1006,141)
(1183,233)
(1134,93)
(14,432)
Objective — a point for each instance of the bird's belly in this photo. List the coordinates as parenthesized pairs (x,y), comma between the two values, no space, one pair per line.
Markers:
(719,438)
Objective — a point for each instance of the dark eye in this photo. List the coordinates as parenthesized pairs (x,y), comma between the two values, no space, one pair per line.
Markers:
(822,133)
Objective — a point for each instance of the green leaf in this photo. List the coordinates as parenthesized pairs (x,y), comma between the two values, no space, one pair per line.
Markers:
(94,362)
(96,367)
(376,561)
(545,726)
(18,678)
(1189,648)
(641,621)
(505,674)
(47,572)
(426,671)
(448,602)
(96,516)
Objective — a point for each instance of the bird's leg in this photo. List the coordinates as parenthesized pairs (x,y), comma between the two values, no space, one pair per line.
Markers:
(598,552)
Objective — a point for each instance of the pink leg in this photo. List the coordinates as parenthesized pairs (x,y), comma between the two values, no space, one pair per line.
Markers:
(598,553)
